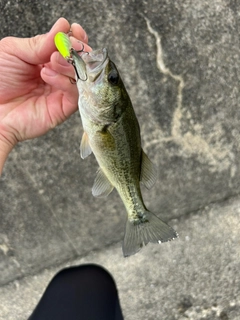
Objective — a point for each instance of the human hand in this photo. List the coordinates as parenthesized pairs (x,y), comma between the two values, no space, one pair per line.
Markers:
(35,91)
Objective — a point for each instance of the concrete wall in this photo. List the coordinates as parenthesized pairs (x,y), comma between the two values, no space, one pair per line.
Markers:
(180,63)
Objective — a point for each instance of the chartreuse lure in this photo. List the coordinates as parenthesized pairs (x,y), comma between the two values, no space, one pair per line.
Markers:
(63,44)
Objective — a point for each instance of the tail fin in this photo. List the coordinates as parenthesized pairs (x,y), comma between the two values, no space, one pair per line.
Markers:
(147,229)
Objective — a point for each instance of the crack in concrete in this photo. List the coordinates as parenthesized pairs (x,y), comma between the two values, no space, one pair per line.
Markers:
(218,157)
(176,123)
(166,71)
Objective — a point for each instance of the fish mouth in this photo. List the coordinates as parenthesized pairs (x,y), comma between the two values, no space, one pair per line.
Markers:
(89,65)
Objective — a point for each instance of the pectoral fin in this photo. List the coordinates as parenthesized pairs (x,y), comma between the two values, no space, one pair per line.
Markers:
(101,187)
(85,149)
(148,172)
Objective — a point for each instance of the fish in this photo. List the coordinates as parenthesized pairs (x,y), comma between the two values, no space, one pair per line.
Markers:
(112,134)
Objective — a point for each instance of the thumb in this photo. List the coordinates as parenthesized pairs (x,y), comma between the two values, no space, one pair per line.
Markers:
(38,49)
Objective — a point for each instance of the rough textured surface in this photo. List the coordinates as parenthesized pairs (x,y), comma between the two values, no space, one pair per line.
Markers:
(180,64)
(195,277)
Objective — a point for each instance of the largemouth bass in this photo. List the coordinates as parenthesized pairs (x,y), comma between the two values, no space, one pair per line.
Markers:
(112,133)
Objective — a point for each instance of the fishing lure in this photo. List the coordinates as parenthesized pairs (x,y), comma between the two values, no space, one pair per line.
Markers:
(64,46)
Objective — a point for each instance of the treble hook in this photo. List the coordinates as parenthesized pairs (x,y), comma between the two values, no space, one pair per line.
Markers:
(82,50)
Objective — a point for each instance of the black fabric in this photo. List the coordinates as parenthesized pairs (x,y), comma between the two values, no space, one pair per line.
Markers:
(86,292)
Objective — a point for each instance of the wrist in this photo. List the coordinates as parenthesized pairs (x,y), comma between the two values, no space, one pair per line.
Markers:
(5,149)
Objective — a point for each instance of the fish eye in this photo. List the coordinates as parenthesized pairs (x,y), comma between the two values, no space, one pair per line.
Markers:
(113,77)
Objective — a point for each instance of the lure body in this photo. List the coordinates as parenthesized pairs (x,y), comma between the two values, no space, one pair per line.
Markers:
(63,44)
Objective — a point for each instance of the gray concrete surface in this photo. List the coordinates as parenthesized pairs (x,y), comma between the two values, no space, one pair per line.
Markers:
(195,277)
(180,63)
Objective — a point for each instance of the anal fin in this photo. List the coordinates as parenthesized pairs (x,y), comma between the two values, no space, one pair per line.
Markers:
(101,187)
(148,172)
